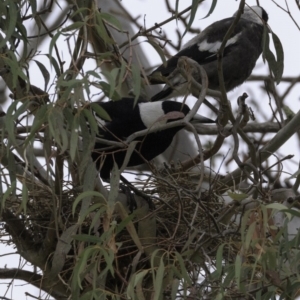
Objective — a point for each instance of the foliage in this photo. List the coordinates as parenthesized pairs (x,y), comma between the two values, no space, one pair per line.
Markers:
(205,239)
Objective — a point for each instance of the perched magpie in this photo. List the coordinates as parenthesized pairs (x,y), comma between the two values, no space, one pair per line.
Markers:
(239,57)
(127,119)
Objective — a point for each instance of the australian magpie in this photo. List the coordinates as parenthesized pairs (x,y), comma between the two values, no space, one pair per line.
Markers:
(242,50)
(126,119)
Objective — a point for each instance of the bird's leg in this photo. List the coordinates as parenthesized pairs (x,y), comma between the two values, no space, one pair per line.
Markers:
(126,184)
(130,197)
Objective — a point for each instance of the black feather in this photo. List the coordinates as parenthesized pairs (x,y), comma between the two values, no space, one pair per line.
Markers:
(125,120)
(239,58)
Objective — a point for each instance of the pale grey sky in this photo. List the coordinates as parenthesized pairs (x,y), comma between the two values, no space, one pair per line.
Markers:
(155,11)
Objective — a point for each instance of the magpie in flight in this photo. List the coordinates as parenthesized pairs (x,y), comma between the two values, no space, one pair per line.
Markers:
(241,52)
(126,119)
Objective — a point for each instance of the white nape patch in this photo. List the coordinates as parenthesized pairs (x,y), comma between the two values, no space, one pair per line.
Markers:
(150,112)
(253,14)
(214,47)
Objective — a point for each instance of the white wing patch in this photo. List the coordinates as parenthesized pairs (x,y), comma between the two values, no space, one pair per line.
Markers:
(150,112)
(214,47)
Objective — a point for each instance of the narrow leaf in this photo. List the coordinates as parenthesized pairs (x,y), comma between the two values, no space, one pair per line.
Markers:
(159,280)
(276,65)
(24,197)
(175,286)
(84,195)
(236,196)
(44,72)
(127,220)
(192,16)
(114,185)
(39,119)
(111,19)
(137,80)
(73,26)
(238,270)
(11,16)
(129,152)
(249,235)
(212,8)
(53,43)
(219,261)
(101,30)
(183,270)
(74,137)
(54,63)
(158,50)
(10,190)
(280,57)
(100,111)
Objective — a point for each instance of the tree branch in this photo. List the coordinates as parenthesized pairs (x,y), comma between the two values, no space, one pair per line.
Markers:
(30,277)
(23,240)
(264,127)
(263,154)
(58,290)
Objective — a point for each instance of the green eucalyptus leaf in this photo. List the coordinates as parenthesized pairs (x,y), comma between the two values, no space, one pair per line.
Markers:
(74,137)
(54,63)
(111,19)
(73,26)
(53,43)
(212,8)
(44,72)
(192,16)
(137,81)
(158,50)
(11,22)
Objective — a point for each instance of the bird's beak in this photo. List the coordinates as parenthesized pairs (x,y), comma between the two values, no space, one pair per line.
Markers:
(201,119)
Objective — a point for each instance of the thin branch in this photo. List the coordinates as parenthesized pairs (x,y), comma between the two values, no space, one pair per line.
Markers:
(264,127)
(274,144)
(41,12)
(22,239)
(287,10)
(157,25)
(228,34)
(56,290)
(30,277)
(283,79)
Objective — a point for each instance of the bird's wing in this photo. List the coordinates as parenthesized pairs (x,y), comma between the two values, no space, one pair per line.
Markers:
(124,115)
(203,48)
(113,108)
(117,109)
